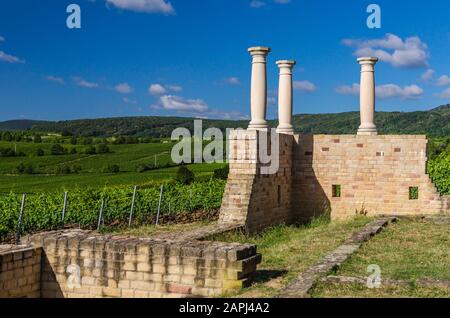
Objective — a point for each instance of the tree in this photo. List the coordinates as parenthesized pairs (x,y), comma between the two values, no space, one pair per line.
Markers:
(184,175)
(6,136)
(90,150)
(73,140)
(39,152)
(102,148)
(112,169)
(37,138)
(57,150)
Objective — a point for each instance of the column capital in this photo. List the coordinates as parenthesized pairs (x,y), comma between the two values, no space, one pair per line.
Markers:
(367,60)
(259,50)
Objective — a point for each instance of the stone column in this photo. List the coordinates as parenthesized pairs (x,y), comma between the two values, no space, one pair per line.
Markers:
(258,98)
(285,97)
(367,96)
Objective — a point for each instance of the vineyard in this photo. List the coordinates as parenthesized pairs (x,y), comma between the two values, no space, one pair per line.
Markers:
(44,211)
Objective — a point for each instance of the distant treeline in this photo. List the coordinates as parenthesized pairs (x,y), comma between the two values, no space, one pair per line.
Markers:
(435,122)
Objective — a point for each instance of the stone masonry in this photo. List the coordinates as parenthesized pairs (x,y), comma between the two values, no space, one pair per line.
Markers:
(374,174)
(78,264)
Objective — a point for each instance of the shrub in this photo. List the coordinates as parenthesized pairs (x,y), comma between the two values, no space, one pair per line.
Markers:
(102,148)
(439,171)
(37,138)
(7,152)
(222,173)
(40,152)
(63,169)
(90,150)
(57,150)
(112,169)
(25,168)
(73,140)
(73,151)
(184,175)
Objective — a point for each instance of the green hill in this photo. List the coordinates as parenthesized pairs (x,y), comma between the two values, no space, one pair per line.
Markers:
(434,122)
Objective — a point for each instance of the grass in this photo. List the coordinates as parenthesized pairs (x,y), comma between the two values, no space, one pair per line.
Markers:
(405,250)
(289,250)
(326,290)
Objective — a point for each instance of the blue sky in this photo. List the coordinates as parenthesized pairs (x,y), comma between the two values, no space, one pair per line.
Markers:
(189,57)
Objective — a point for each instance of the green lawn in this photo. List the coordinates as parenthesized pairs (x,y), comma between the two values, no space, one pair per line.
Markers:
(405,250)
(289,250)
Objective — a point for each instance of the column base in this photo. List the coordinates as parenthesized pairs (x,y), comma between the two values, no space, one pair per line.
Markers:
(285,131)
(258,126)
(367,133)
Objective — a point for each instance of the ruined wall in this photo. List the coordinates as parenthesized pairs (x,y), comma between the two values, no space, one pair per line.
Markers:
(249,194)
(20,269)
(132,267)
(374,175)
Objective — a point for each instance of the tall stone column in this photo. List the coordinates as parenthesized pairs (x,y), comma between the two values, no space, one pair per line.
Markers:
(258,98)
(285,97)
(367,96)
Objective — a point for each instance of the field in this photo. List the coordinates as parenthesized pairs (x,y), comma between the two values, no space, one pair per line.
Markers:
(91,174)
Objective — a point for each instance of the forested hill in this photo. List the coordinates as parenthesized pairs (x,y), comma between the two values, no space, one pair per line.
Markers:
(435,122)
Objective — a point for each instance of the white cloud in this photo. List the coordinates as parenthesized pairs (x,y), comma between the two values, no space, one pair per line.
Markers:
(408,53)
(348,90)
(386,91)
(4,57)
(55,79)
(174,88)
(123,88)
(283,1)
(172,102)
(147,6)
(304,86)
(2,39)
(83,83)
(444,80)
(445,94)
(257,4)
(157,89)
(427,75)
(129,101)
(232,80)
(395,91)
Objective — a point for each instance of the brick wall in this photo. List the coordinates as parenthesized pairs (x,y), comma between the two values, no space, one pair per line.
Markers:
(112,266)
(374,175)
(20,269)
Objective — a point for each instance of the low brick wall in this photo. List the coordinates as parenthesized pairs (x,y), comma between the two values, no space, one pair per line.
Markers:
(20,271)
(86,264)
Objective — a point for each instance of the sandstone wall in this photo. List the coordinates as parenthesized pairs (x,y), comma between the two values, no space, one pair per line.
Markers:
(20,269)
(249,194)
(374,175)
(130,267)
